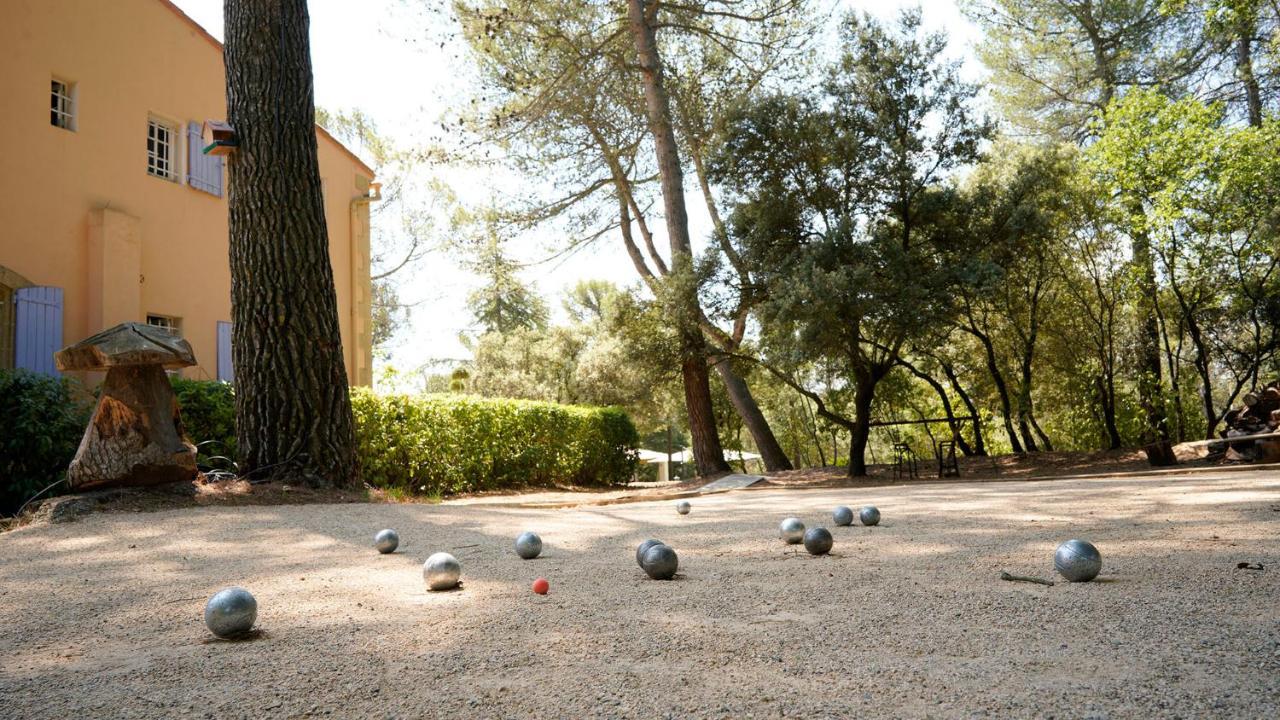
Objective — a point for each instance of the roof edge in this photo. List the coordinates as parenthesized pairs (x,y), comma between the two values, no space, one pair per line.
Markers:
(218,46)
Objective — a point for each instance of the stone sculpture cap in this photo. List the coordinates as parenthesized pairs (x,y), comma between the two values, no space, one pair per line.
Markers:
(127,344)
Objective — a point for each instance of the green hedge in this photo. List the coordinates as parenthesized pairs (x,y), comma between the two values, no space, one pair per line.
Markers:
(430,444)
(41,422)
(442,444)
(209,417)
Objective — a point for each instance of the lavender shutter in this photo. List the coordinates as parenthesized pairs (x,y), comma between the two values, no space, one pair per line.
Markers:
(225,372)
(37,328)
(204,172)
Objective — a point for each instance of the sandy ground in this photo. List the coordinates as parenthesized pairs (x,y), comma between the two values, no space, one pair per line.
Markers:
(102,617)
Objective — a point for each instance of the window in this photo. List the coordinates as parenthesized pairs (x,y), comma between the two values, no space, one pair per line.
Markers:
(170,324)
(162,145)
(62,106)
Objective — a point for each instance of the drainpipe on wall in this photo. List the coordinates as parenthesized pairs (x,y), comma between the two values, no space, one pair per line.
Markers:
(361,286)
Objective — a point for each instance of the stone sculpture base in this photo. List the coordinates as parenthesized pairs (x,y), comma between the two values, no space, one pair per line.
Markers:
(135,436)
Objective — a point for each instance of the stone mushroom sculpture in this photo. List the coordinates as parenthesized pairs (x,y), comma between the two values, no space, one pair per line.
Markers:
(135,436)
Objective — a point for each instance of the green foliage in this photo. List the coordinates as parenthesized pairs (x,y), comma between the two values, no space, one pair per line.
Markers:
(504,302)
(447,444)
(43,420)
(209,419)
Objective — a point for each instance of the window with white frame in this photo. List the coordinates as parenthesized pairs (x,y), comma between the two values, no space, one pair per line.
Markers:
(62,105)
(168,323)
(162,149)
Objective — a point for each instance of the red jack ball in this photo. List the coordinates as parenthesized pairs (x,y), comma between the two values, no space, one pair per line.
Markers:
(541,586)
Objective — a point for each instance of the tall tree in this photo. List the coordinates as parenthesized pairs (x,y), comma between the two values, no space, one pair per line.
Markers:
(1057,63)
(563,98)
(293,411)
(707,452)
(844,210)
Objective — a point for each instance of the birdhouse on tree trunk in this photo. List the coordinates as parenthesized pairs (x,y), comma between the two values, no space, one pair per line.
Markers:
(218,138)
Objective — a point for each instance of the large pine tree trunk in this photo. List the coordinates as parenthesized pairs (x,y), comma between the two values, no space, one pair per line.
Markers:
(771,452)
(293,411)
(697,389)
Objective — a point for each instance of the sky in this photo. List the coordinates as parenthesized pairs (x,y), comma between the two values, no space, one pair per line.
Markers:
(386,58)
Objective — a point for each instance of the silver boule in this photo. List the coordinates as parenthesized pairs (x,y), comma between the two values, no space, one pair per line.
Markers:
(660,562)
(528,545)
(644,548)
(842,516)
(1077,561)
(231,612)
(818,541)
(442,571)
(869,515)
(386,541)
(791,531)
(683,507)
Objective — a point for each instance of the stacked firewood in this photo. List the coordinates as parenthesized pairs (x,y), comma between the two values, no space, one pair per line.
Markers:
(1260,415)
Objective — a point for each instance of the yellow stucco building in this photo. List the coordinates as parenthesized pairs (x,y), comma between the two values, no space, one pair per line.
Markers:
(109,212)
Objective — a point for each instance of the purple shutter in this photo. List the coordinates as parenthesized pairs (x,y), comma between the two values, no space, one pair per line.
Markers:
(37,328)
(225,371)
(204,172)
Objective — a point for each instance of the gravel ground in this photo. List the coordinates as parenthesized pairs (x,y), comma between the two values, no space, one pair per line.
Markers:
(102,618)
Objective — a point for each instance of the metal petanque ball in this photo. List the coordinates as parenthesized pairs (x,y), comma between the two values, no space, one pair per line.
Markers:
(818,541)
(386,541)
(441,571)
(791,531)
(683,507)
(528,545)
(660,562)
(1077,561)
(869,515)
(644,548)
(842,516)
(231,612)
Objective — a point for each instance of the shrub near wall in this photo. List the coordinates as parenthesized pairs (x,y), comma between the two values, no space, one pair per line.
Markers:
(41,422)
(209,419)
(442,444)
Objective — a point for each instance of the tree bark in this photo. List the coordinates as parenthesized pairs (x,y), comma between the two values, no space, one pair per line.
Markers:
(1002,389)
(1149,380)
(979,445)
(771,452)
(1244,69)
(707,451)
(136,435)
(293,409)
(861,429)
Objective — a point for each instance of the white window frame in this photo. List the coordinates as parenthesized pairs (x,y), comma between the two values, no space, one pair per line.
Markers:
(62,105)
(173,173)
(168,323)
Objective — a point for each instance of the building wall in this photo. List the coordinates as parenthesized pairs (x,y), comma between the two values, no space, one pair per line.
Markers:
(78,209)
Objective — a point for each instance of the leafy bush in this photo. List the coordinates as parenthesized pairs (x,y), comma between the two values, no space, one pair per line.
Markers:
(441,444)
(431,445)
(43,419)
(209,417)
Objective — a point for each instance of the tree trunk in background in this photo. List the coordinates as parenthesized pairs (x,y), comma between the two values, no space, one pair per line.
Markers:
(293,410)
(979,445)
(1105,387)
(1002,390)
(1149,383)
(861,429)
(771,452)
(1244,69)
(952,423)
(697,389)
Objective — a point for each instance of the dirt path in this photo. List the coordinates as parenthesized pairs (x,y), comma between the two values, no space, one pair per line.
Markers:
(102,618)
